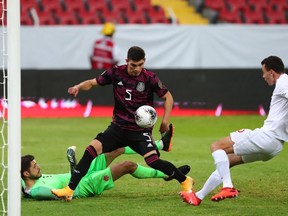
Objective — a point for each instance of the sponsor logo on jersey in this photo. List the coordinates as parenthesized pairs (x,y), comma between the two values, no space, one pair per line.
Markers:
(140,87)
(120,83)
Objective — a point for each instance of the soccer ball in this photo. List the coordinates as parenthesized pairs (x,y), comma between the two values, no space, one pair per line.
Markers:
(145,116)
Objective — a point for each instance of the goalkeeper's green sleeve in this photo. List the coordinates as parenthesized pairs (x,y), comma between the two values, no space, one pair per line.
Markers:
(42,193)
(145,172)
(128,150)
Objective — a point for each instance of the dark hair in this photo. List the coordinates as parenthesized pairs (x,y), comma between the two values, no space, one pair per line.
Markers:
(136,53)
(275,63)
(25,163)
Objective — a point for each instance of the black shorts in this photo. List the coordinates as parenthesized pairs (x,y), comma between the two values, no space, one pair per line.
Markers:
(114,137)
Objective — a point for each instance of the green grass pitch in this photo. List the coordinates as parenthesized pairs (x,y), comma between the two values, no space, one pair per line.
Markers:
(263,186)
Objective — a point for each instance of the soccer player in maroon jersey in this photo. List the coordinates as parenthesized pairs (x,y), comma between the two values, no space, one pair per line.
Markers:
(133,86)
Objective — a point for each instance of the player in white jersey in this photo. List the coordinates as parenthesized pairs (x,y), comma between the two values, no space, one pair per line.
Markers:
(244,146)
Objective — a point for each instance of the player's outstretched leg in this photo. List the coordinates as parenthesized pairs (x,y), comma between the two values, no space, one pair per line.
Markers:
(167,139)
(225,193)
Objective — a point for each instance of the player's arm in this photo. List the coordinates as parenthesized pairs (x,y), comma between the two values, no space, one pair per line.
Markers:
(83,86)
(168,105)
(42,193)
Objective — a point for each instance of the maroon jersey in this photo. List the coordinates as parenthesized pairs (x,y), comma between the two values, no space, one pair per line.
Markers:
(130,93)
(102,57)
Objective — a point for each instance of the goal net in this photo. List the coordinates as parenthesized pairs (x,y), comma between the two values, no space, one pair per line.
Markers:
(10,90)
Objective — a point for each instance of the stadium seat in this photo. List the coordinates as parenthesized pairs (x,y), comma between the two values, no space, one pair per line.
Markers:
(135,17)
(97,5)
(231,16)
(215,4)
(74,5)
(236,5)
(111,16)
(46,18)
(278,5)
(67,18)
(137,20)
(25,18)
(254,17)
(120,5)
(26,5)
(156,14)
(50,5)
(258,5)
(141,5)
(275,17)
(88,17)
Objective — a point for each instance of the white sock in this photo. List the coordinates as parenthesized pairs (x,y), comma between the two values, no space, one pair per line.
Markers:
(212,182)
(222,166)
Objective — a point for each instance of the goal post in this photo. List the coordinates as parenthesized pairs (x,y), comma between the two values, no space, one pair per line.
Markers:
(14,108)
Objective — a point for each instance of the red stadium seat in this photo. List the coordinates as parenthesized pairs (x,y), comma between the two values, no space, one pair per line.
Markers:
(135,17)
(25,18)
(254,17)
(237,5)
(258,5)
(278,5)
(156,14)
(26,5)
(141,5)
(215,4)
(276,17)
(67,18)
(137,20)
(46,18)
(110,16)
(120,5)
(97,5)
(74,5)
(50,5)
(231,16)
(88,17)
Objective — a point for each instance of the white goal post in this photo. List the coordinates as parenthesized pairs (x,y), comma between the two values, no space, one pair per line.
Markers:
(14,108)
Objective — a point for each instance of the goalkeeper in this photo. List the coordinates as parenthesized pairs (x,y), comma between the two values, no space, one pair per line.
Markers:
(100,176)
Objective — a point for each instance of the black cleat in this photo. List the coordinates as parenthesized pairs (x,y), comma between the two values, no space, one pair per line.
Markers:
(185,169)
(167,139)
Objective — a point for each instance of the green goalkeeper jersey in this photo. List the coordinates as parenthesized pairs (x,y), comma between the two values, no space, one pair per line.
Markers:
(97,180)
(42,187)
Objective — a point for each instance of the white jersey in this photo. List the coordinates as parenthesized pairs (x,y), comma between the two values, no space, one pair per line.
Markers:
(277,120)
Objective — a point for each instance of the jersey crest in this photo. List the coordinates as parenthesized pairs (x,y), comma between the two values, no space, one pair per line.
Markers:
(106,178)
(140,87)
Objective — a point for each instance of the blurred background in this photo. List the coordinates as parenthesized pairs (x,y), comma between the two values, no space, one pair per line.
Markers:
(207,52)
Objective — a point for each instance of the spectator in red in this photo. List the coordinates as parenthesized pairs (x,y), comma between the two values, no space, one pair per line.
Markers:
(105,51)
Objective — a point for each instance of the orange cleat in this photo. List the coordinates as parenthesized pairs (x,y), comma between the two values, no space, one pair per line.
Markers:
(64,193)
(187,185)
(225,193)
(190,198)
